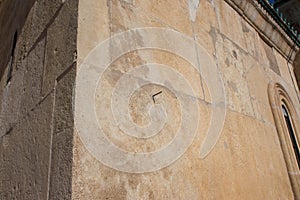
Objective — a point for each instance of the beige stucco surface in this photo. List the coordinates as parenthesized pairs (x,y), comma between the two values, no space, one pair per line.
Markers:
(246,162)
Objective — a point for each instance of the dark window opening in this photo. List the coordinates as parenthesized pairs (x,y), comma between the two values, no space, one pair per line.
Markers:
(12,55)
(291,133)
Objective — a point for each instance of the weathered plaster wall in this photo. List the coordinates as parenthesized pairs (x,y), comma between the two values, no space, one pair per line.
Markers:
(247,161)
(36,122)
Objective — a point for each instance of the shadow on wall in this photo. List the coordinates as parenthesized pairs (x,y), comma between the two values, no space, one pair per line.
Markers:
(297,69)
(13,14)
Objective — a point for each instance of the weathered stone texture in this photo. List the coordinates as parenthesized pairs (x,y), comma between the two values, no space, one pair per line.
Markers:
(13,15)
(25,153)
(42,156)
(36,121)
(62,141)
(271,58)
(247,162)
(61,45)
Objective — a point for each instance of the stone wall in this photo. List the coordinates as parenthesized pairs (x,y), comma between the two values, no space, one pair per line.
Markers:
(36,104)
(43,155)
(247,161)
(12,18)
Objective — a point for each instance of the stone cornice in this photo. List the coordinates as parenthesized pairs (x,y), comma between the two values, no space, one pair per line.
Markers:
(267,27)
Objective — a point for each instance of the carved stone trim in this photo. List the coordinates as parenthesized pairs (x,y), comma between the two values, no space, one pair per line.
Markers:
(268,29)
(278,97)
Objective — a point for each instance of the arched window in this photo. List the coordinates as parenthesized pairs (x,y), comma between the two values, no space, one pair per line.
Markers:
(287,125)
(12,56)
(290,128)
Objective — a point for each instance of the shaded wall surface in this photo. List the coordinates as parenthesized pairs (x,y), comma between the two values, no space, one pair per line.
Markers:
(290,10)
(12,17)
(36,110)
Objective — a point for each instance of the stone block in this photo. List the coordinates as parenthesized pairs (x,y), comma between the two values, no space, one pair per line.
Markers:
(26,153)
(33,77)
(284,67)
(230,62)
(61,44)
(179,19)
(91,32)
(62,142)
(61,165)
(252,39)
(41,20)
(206,39)
(230,23)
(11,105)
(208,19)
(271,58)
(255,76)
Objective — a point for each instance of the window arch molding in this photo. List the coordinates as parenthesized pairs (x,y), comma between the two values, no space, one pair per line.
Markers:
(280,99)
